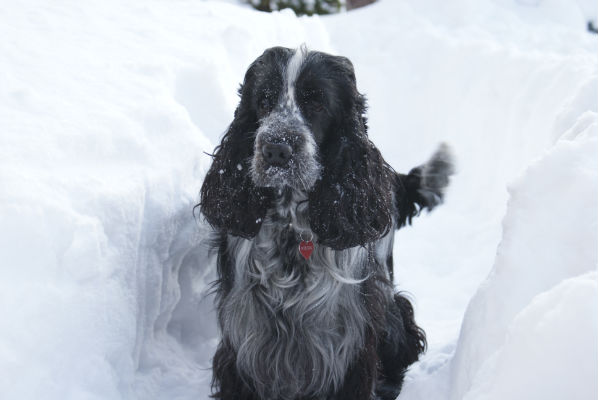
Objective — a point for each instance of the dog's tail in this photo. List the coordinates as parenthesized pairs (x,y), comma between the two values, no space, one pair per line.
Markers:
(423,187)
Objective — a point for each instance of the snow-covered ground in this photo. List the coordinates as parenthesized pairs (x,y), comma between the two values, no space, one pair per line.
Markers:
(107,107)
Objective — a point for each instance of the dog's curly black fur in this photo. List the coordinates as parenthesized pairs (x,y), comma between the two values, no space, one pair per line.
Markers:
(330,327)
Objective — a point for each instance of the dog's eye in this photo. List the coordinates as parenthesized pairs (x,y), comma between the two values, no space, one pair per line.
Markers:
(312,100)
(317,106)
(263,105)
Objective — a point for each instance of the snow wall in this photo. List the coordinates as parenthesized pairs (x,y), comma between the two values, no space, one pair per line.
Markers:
(106,110)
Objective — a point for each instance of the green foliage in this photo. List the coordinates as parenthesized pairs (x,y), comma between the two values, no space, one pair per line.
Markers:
(301,7)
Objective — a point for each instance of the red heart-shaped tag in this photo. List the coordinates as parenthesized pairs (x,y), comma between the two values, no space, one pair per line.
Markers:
(306,248)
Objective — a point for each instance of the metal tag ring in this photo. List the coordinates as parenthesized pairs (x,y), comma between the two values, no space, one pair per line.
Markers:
(311,236)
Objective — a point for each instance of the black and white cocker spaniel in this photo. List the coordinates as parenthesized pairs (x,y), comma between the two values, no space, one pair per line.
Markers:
(304,209)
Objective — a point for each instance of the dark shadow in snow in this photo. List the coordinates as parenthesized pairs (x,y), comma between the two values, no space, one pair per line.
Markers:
(192,321)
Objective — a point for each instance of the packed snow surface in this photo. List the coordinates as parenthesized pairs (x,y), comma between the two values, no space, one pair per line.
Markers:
(107,108)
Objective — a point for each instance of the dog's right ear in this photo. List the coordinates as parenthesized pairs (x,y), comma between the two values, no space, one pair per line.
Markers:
(230,201)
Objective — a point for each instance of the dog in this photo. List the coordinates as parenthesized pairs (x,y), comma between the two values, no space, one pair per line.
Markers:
(304,209)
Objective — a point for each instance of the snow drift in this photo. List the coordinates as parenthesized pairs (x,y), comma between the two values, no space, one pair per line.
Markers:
(106,111)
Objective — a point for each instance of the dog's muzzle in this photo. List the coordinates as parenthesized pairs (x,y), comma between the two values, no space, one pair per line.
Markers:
(284,154)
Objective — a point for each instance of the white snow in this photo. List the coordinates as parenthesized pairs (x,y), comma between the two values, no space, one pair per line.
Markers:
(107,108)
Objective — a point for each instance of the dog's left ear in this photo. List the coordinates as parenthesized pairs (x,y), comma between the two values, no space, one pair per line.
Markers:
(351,204)
(230,201)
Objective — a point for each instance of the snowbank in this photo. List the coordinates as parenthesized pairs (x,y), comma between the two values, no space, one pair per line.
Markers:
(106,111)
(527,329)
(552,343)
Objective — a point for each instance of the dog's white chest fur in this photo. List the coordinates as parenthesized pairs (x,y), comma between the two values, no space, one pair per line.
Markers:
(294,324)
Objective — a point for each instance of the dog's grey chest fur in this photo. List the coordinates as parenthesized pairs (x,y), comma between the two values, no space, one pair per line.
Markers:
(295,325)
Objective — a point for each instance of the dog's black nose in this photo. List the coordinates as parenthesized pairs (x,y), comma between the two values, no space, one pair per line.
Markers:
(277,153)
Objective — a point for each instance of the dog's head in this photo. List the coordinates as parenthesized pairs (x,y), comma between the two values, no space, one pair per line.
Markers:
(300,124)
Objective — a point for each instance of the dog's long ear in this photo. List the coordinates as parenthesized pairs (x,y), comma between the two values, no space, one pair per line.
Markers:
(351,204)
(423,187)
(229,199)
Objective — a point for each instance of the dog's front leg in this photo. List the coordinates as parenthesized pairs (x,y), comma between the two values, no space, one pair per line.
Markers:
(362,374)
(226,382)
